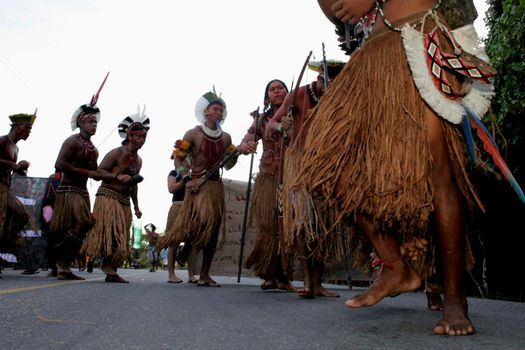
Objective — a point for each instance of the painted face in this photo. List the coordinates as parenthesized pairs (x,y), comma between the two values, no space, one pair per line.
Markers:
(88,123)
(276,93)
(214,113)
(23,130)
(137,138)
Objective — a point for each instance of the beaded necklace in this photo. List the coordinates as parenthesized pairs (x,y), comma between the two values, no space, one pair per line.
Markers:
(89,150)
(314,99)
(364,26)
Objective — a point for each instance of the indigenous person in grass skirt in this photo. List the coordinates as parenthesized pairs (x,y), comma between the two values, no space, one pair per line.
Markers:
(313,251)
(13,216)
(76,161)
(386,150)
(460,19)
(265,257)
(119,172)
(202,212)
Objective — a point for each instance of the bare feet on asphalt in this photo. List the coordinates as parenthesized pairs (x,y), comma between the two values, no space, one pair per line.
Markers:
(455,321)
(401,278)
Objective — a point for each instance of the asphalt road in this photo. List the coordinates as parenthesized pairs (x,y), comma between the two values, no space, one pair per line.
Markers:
(39,312)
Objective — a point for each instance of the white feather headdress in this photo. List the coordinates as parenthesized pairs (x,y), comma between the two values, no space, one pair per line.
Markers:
(137,118)
(204,101)
(87,108)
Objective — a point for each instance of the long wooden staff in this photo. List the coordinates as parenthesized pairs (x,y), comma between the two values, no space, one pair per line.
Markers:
(248,190)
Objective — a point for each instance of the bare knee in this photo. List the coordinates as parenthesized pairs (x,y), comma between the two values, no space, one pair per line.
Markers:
(441,170)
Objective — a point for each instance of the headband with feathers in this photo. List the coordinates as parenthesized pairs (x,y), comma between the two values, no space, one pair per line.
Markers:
(333,66)
(204,101)
(23,118)
(89,107)
(137,118)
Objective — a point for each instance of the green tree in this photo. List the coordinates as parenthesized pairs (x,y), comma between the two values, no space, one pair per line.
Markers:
(500,227)
(504,44)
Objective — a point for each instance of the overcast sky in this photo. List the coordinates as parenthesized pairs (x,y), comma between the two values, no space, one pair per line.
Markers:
(165,54)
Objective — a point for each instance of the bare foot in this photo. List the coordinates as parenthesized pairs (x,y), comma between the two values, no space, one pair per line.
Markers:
(269,284)
(286,286)
(434,301)
(455,321)
(305,293)
(174,279)
(114,278)
(401,278)
(62,275)
(323,292)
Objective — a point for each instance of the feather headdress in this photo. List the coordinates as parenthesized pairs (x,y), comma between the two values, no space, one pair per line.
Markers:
(129,121)
(88,108)
(204,101)
(23,118)
(334,67)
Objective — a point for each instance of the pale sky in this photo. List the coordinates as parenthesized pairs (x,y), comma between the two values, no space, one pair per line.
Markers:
(161,53)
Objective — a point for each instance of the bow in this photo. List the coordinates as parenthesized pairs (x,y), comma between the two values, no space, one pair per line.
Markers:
(291,108)
(291,113)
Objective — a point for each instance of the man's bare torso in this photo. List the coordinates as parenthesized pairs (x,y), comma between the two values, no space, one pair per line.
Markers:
(123,162)
(198,156)
(8,152)
(84,156)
